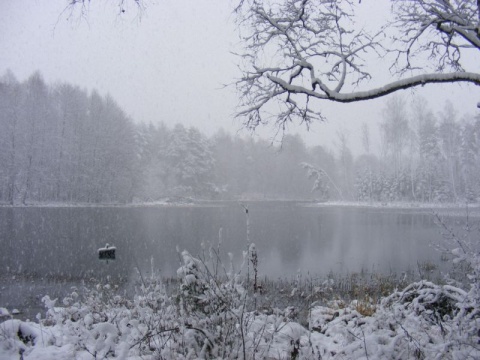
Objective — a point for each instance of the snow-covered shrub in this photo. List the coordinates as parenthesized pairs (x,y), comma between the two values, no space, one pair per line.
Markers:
(104,324)
(212,307)
(439,321)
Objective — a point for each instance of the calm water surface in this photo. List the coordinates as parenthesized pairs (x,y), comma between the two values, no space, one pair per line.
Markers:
(62,243)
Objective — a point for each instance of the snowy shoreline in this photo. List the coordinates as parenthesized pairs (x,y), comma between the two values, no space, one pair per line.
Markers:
(422,321)
(302,202)
(397,205)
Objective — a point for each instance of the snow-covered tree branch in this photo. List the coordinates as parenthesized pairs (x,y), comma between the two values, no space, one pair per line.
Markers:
(81,7)
(300,51)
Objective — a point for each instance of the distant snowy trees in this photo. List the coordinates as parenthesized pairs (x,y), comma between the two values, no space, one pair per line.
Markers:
(426,158)
(61,144)
(298,53)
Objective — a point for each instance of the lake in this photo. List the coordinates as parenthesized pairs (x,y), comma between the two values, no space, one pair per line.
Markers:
(60,243)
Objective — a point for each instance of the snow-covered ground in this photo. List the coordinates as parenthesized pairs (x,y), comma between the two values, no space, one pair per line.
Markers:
(215,318)
(195,202)
(158,203)
(424,321)
(397,205)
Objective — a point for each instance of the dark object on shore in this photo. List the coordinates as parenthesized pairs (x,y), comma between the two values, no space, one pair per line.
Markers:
(107,253)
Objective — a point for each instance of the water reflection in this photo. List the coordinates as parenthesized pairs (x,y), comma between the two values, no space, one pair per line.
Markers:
(63,242)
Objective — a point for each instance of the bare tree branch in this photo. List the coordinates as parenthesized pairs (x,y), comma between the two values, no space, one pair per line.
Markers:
(381,91)
(302,50)
(82,5)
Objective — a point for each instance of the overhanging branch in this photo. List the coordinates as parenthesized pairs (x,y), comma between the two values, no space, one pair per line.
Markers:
(317,52)
(419,80)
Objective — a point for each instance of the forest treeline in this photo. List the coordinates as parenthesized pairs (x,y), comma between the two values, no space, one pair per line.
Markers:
(60,143)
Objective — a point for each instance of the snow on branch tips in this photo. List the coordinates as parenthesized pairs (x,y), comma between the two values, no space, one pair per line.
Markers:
(297,52)
(82,7)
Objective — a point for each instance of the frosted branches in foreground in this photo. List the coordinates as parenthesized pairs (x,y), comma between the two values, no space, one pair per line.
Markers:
(301,51)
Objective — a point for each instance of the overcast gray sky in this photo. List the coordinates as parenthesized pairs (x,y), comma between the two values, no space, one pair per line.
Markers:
(170,64)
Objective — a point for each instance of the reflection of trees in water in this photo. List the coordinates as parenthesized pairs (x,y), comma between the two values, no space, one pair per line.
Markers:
(63,242)
(8,255)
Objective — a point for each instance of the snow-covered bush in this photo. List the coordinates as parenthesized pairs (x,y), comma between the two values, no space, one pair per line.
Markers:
(212,308)
(104,324)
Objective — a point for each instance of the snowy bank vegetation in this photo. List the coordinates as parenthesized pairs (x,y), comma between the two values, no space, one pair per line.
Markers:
(213,314)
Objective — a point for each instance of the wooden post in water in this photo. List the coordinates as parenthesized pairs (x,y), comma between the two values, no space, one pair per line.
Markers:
(107,253)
